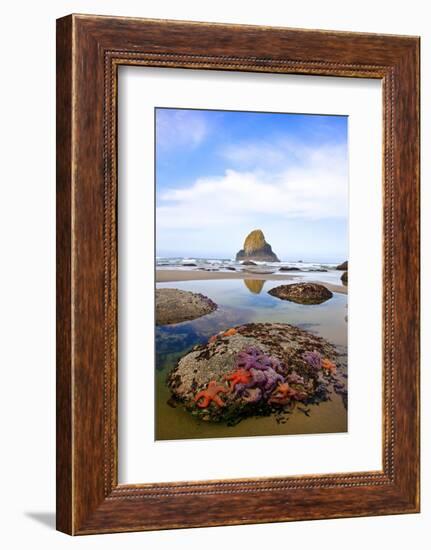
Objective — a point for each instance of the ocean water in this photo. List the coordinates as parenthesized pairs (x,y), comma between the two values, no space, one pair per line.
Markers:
(245,301)
(221,264)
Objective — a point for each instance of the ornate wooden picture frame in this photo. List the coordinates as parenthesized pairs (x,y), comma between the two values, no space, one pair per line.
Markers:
(89,51)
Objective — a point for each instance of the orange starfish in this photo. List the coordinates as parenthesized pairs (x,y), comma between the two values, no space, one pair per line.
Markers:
(204,397)
(228,332)
(282,394)
(329,366)
(239,376)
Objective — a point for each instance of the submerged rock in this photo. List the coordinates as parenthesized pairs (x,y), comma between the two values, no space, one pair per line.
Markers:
(290,269)
(175,306)
(256,248)
(256,369)
(302,293)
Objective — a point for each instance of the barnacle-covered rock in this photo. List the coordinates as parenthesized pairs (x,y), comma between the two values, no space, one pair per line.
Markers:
(302,293)
(257,369)
(175,306)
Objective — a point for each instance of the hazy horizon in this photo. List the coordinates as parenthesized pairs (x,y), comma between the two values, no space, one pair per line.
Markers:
(232,257)
(221,174)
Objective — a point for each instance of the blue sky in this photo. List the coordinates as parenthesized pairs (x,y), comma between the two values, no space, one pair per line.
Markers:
(221,174)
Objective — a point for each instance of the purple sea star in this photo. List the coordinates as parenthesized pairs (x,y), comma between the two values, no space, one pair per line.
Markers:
(295,378)
(263,376)
(253,357)
(314,359)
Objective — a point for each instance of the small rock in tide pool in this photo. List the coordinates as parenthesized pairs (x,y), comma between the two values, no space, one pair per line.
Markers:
(302,293)
(172,402)
(175,306)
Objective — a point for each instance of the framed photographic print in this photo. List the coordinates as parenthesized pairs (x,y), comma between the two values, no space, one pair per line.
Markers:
(237,274)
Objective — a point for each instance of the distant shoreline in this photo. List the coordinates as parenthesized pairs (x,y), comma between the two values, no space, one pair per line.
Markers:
(177,275)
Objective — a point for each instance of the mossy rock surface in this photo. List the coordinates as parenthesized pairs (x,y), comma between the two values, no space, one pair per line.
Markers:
(282,346)
(175,306)
(302,293)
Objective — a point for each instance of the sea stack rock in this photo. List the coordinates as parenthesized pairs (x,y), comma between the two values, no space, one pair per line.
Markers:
(256,249)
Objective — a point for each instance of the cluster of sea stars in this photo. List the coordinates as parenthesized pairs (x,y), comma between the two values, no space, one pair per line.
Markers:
(253,357)
(262,376)
(317,362)
(259,376)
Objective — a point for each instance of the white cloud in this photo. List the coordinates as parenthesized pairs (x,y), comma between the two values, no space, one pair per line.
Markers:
(313,185)
(180,128)
(263,153)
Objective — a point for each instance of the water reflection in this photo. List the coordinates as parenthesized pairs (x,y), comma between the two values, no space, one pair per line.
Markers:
(254,285)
